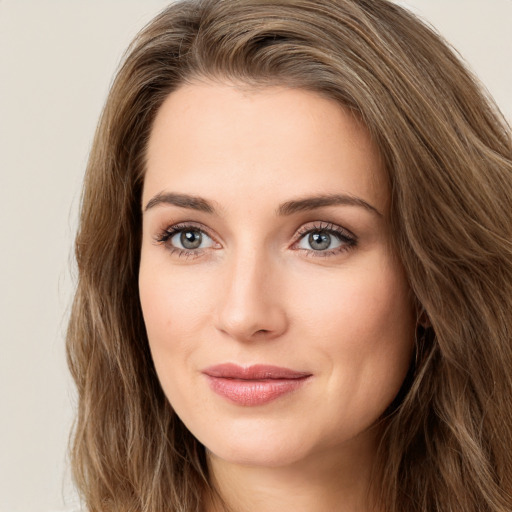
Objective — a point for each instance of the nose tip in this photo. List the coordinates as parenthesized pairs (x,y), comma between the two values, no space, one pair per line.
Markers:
(253,324)
(250,308)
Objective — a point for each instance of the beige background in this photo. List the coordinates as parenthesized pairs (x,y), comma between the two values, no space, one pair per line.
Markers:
(56,62)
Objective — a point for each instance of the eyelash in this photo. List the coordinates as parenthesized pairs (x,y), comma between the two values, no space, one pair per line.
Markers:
(166,235)
(346,238)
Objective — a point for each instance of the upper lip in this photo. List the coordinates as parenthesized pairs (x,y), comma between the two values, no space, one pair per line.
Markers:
(254,372)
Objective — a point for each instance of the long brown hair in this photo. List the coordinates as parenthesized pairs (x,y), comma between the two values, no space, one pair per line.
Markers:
(447,444)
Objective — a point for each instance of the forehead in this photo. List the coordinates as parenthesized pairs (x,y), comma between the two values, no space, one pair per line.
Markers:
(225,142)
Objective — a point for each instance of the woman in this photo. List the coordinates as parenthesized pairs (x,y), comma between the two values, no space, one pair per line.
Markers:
(295,269)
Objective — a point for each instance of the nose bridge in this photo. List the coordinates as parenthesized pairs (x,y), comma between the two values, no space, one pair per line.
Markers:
(251,304)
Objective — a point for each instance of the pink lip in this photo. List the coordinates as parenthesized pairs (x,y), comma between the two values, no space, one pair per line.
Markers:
(253,385)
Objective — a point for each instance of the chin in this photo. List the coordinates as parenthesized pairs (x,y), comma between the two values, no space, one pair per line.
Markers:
(268,456)
(261,446)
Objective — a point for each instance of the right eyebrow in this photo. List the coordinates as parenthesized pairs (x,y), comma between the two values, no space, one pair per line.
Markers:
(181,200)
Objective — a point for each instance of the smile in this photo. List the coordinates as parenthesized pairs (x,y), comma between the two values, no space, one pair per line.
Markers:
(253,385)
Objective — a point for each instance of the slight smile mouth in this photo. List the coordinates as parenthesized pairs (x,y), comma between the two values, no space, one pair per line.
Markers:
(253,385)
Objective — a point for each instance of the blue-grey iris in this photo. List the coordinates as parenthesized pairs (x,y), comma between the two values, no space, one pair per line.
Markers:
(191,239)
(319,241)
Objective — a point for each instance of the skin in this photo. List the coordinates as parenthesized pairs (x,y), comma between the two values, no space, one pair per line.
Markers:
(257,291)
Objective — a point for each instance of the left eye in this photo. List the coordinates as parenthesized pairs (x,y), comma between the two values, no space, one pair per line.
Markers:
(320,240)
(190,239)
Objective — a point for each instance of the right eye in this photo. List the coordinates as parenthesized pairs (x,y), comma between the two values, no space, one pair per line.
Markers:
(191,239)
(185,239)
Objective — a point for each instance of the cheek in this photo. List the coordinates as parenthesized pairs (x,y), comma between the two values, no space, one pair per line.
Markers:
(359,305)
(170,301)
(362,322)
(171,319)
(172,324)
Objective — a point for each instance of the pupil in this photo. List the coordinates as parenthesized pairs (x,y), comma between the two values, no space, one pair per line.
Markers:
(191,239)
(320,240)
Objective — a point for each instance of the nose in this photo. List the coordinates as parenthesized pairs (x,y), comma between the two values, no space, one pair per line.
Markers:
(250,307)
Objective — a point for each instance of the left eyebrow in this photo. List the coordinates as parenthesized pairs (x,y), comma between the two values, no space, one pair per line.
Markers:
(320,201)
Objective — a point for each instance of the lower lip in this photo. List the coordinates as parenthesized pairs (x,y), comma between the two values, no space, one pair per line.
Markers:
(254,392)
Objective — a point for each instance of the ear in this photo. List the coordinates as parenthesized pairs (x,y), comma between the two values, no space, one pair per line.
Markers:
(422,319)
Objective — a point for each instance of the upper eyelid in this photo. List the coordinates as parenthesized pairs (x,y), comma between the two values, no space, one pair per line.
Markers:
(182,226)
(324,226)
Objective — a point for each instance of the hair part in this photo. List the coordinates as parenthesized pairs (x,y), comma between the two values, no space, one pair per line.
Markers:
(448,154)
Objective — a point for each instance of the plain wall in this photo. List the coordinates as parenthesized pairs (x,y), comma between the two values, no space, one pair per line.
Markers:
(57,60)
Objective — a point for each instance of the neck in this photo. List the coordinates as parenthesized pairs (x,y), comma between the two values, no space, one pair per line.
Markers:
(338,481)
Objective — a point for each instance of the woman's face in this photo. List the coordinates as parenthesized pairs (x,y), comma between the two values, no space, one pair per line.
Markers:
(278,317)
